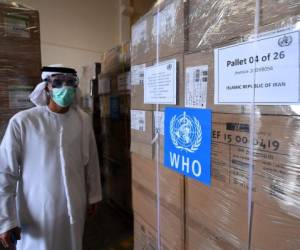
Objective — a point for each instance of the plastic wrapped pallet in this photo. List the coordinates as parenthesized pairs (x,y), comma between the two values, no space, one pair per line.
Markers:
(271,203)
(117,59)
(253,199)
(114,100)
(20,59)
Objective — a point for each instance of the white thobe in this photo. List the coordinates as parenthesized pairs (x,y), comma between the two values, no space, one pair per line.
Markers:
(49,171)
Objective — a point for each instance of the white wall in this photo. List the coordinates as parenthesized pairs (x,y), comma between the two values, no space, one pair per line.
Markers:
(77,32)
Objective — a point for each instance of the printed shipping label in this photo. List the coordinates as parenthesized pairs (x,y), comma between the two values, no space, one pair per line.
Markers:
(159,117)
(196,86)
(139,33)
(160,83)
(138,120)
(124,81)
(167,21)
(115,107)
(264,71)
(19,97)
(16,25)
(104,85)
(274,150)
(137,74)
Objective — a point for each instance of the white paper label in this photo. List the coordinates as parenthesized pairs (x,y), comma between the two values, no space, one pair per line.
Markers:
(167,21)
(19,97)
(124,81)
(17,25)
(265,71)
(160,83)
(196,86)
(104,85)
(137,74)
(159,118)
(138,120)
(139,33)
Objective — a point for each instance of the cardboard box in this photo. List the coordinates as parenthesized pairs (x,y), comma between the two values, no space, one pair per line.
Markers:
(145,43)
(171,225)
(171,191)
(171,39)
(141,126)
(20,43)
(144,173)
(105,106)
(221,209)
(137,87)
(281,12)
(213,23)
(143,149)
(145,237)
(200,238)
(277,171)
(141,41)
(116,180)
(116,149)
(105,84)
(123,101)
(272,229)
(124,81)
(20,59)
(117,59)
(137,98)
(274,161)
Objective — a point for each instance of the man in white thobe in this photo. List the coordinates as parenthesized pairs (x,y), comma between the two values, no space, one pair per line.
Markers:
(49,170)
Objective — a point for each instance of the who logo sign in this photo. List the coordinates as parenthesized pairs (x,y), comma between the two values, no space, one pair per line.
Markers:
(188,142)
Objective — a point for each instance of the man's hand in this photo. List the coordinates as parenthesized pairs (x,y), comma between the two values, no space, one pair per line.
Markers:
(92,210)
(7,237)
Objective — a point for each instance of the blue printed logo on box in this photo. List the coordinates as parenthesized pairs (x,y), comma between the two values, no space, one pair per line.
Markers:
(188,142)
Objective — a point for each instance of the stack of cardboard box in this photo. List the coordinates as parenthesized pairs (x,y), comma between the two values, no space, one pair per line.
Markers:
(220,216)
(274,195)
(144,168)
(114,92)
(20,59)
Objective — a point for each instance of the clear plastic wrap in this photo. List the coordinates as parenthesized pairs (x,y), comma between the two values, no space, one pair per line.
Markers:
(20,58)
(253,201)
(171,32)
(114,101)
(117,59)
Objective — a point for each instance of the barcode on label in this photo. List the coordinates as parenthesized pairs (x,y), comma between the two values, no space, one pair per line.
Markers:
(141,124)
(197,75)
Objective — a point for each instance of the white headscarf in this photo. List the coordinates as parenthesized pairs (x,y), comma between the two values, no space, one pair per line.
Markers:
(39,95)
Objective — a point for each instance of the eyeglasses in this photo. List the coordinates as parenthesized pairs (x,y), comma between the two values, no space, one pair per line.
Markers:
(58,81)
